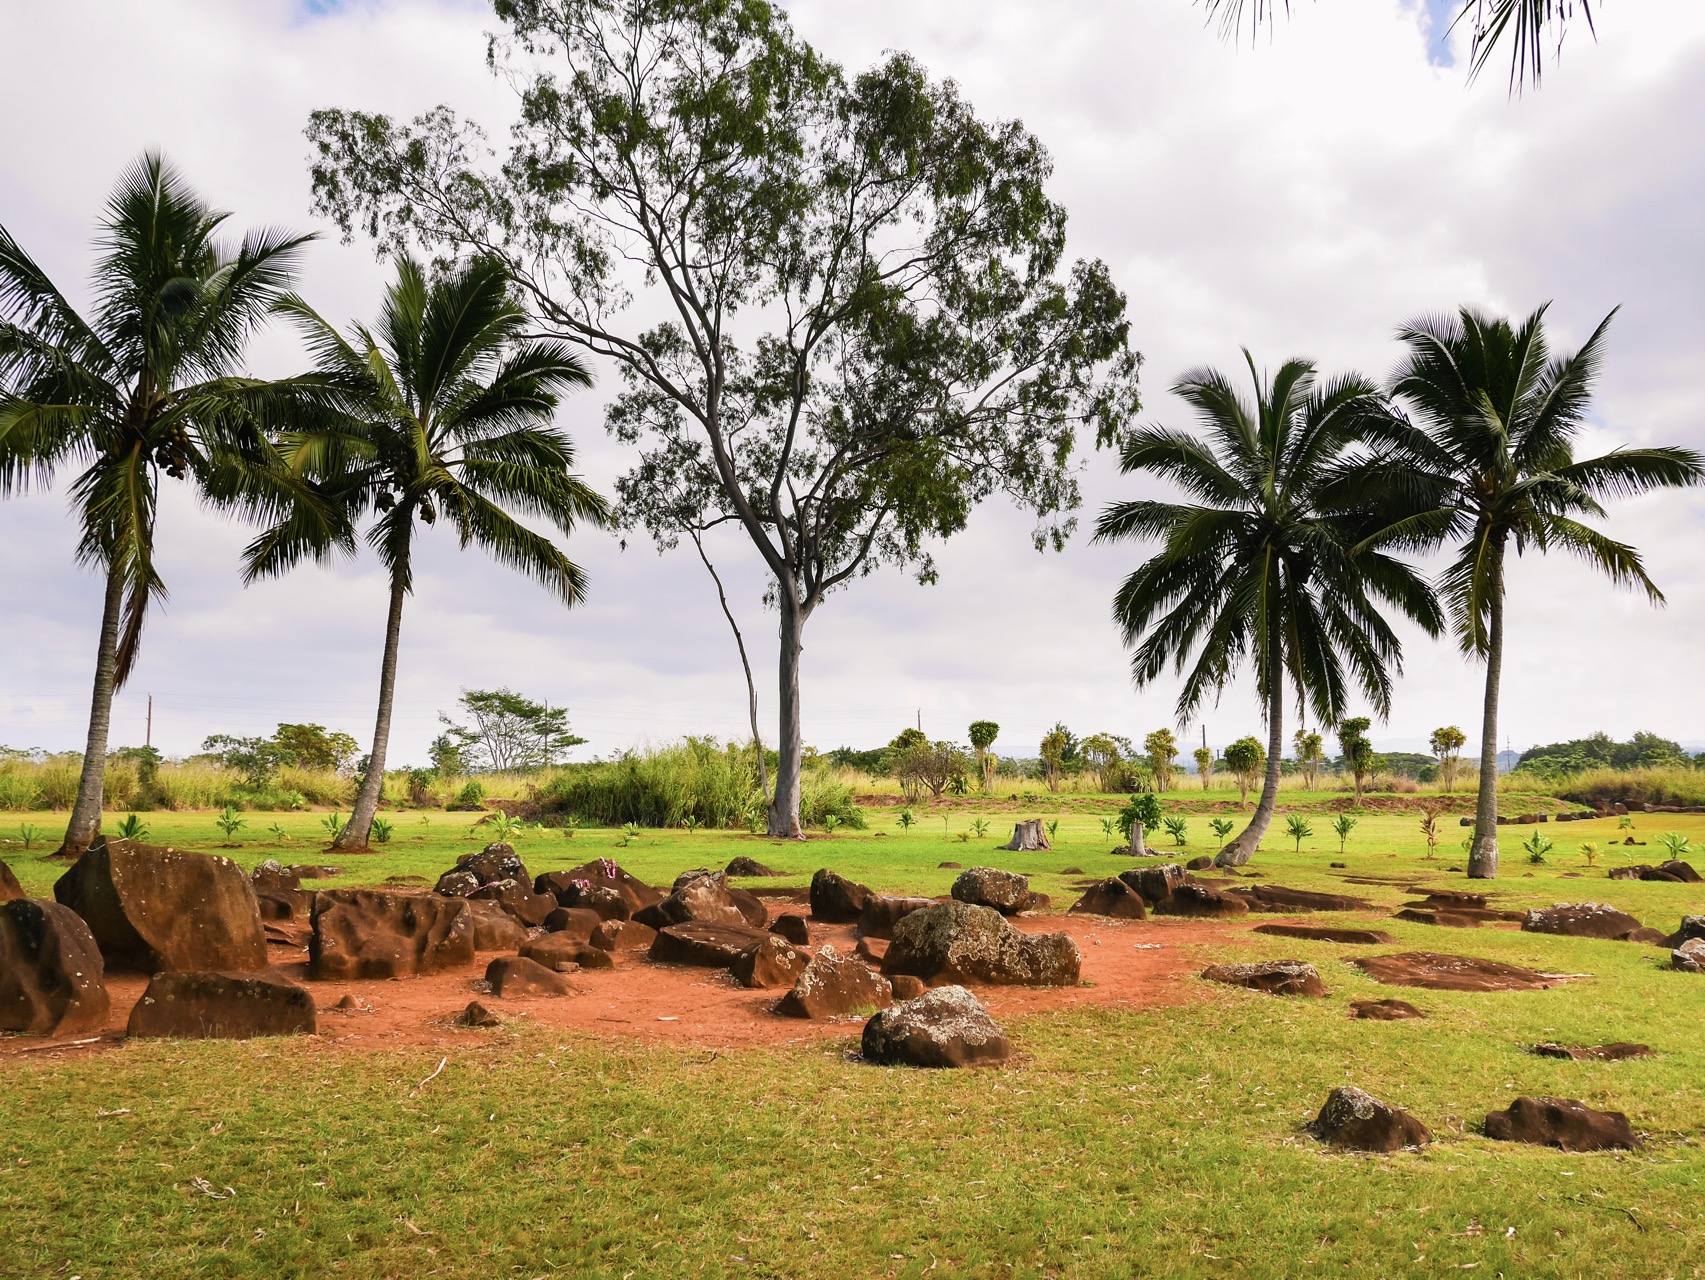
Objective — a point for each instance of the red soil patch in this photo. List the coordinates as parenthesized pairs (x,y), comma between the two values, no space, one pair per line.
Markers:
(1130,965)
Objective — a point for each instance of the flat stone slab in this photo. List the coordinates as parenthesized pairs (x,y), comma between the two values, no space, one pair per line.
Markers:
(1326,933)
(1618,1052)
(1384,1010)
(1435,972)
(1275,977)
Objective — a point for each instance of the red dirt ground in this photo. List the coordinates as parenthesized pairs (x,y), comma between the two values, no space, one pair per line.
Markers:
(1129,964)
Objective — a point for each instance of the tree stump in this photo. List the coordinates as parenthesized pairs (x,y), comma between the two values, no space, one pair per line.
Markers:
(1138,849)
(1028,835)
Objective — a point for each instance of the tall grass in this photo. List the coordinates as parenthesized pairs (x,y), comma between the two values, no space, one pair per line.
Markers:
(1664,784)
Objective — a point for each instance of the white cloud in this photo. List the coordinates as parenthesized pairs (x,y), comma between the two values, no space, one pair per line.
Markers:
(1300,196)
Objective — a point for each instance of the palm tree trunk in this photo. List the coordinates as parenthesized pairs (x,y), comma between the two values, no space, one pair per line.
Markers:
(355,834)
(790,748)
(1240,850)
(85,822)
(1483,857)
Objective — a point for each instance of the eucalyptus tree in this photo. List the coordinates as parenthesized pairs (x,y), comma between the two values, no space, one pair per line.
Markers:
(983,734)
(148,384)
(1527,27)
(1260,568)
(841,301)
(1488,447)
(445,412)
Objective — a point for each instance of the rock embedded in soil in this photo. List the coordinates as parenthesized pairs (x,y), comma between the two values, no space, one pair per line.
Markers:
(1156,884)
(947,1027)
(708,946)
(1201,862)
(563,952)
(477,1015)
(518,899)
(1581,920)
(881,914)
(520,977)
(367,933)
(1198,902)
(1561,1122)
(1357,1121)
(222,1006)
(949,866)
(273,877)
(956,942)
(494,928)
(774,962)
(1274,977)
(704,897)
(1689,957)
(1112,897)
(1435,972)
(1618,1052)
(835,899)
(1276,897)
(623,935)
(577,922)
(52,977)
(791,927)
(833,985)
(1384,1010)
(1325,933)
(1444,919)
(162,909)
(744,866)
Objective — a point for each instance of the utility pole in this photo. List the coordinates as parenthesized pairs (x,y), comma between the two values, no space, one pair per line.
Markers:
(148,736)
(920,719)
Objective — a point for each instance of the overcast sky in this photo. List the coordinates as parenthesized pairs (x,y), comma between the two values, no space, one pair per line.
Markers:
(1297,197)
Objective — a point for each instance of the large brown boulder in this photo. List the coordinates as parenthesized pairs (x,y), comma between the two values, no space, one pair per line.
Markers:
(564,953)
(1006,891)
(793,928)
(518,977)
(1275,977)
(1561,1122)
(1199,902)
(835,899)
(709,946)
(577,922)
(880,915)
(707,898)
(222,1006)
(161,909)
(946,1027)
(365,933)
(1358,1121)
(623,935)
(10,889)
(52,979)
(496,874)
(774,962)
(833,986)
(1156,884)
(1581,920)
(955,942)
(601,873)
(494,928)
(1112,897)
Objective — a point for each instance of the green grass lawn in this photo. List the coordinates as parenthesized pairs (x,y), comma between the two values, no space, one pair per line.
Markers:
(1115,1143)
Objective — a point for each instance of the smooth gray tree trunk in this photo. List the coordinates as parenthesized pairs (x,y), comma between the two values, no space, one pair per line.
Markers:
(745,665)
(784,807)
(85,822)
(1483,857)
(1243,847)
(355,833)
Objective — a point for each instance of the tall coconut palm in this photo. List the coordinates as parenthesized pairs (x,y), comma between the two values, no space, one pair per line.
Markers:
(446,413)
(148,383)
(1258,569)
(1489,447)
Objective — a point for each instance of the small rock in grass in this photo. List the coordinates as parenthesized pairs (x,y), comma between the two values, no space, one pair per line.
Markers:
(1275,977)
(1561,1122)
(744,866)
(1072,871)
(946,1027)
(1618,1052)
(1689,957)
(1384,1010)
(949,866)
(1357,1121)
(1581,920)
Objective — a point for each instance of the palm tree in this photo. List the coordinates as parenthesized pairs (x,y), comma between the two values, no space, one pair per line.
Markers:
(1491,452)
(1258,569)
(1528,25)
(446,411)
(148,383)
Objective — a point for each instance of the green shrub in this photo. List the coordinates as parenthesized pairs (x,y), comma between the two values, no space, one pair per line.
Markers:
(1144,807)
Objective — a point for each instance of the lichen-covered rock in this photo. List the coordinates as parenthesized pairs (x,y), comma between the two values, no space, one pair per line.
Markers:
(956,942)
(1006,891)
(1275,977)
(710,946)
(366,933)
(946,1027)
(518,977)
(1358,1121)
(1561,1122)
(161,909)
(833,985)
(222,1006)
(1689,957)
(1112,897)
(705,897)
(1581,920)
(52,978)
(273,876)
(601,873)
(835,899)
(774,962)
(880,914)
